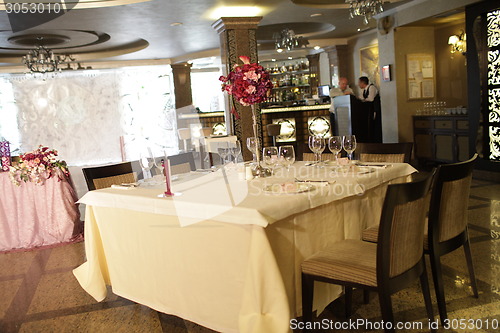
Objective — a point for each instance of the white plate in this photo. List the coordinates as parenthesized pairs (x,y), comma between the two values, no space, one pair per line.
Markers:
(288,188)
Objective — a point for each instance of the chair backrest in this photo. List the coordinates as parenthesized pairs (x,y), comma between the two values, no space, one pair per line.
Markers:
(449,201)
(311,157)
(401,230)
(181,163)
(384,152)
(105,176)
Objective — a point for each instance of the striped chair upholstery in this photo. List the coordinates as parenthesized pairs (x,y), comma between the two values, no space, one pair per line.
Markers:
(310,157)
(114,180)
(180,168)
(348,260)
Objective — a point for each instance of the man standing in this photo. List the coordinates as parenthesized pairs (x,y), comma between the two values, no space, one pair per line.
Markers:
(368,90)
(343,89)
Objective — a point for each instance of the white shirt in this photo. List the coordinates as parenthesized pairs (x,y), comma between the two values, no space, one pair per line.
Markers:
(334,92)
(372,92)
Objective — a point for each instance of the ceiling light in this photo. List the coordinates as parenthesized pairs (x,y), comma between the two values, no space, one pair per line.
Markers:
(359,29)
(290,58)
(43,60)
(317,47)
(316,15)
(288,40)
(273,59)
(365,8)
(235,11)
(458,43)
(175,24)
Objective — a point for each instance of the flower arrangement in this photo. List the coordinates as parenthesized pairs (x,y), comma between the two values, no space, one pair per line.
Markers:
(249,83)
(38,166)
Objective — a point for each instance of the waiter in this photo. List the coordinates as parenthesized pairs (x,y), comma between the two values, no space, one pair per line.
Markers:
(370,97)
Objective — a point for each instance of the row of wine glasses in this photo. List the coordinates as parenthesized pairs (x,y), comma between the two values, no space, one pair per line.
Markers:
(229,151)
(272,156)
(317,145)
(147,162)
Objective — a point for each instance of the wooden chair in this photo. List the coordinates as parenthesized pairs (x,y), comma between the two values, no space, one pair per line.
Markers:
(305,154)
(105,176)
(384,152)
(447,227)
(181,163)
(386,267)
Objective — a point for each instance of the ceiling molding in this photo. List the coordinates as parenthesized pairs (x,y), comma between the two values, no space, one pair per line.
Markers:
(86,4)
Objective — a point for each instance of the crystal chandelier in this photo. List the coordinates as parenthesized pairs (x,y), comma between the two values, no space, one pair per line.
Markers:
(365,8)
(287,40)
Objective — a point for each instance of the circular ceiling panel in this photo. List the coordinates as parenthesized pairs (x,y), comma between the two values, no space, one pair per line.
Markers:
(54,39)
(329,4)
(303,29)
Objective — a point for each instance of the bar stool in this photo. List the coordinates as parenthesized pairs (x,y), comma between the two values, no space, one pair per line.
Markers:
(273,130)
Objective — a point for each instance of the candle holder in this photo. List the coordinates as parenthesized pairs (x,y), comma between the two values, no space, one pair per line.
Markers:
(5,157)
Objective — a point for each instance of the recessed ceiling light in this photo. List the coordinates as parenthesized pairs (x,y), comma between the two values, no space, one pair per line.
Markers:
(359,29)
(316,15)
(317,47)
(273,59)
(175,24)
(290,58)
(279,50)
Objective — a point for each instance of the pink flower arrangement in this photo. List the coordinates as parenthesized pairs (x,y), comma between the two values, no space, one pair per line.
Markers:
(37,166)
(248,83)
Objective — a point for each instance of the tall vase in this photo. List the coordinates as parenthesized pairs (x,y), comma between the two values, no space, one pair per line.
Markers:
(258,170)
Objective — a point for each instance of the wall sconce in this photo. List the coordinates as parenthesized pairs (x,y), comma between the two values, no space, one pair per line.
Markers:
(458,43)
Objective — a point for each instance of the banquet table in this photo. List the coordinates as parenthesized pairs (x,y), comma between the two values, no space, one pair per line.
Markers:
(34,215)
(225,254)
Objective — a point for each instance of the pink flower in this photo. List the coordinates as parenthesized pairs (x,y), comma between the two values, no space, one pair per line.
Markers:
(250,89)
(245,59)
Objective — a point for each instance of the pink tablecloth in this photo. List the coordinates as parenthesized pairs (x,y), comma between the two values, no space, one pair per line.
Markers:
(33,215)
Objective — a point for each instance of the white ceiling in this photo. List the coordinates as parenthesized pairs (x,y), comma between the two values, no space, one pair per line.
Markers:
(151,21)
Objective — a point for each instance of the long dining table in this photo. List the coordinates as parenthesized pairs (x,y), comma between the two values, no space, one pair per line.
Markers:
(225,252)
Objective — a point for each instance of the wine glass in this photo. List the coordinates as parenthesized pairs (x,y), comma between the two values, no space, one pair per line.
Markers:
(335,146)
(317,146)
(223,151)
(287,156)
(252,146)
(235,148)
(146,161)
(349,144)
(270,157)
(313,148)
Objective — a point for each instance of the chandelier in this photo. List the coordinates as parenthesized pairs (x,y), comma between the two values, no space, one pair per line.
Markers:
(43,60)
(365,8)
(287,40)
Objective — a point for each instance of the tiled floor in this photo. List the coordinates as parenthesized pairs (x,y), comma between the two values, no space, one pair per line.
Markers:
(38,292)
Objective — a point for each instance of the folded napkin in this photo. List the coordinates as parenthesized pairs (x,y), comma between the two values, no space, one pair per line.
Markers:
(319,182)
(125,186)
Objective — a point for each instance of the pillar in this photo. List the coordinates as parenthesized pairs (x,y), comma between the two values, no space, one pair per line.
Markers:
(182,84)
(338,57)
(238,38)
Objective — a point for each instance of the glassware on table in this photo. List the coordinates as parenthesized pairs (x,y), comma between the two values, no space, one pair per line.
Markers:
(335,146)
(317,146)
(349,144)
(286,156)
(224,151)
(252,146)
(146,161)
(270,157)
(235,149)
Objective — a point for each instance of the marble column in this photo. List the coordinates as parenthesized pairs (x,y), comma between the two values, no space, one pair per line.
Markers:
(238,38)
(182,84)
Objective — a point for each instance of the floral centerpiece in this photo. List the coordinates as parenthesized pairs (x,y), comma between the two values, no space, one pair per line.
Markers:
(38,166)
(249,84)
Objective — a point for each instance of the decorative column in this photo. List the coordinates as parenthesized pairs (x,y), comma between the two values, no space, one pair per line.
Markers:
(338,58)
(238,38)
(182,84)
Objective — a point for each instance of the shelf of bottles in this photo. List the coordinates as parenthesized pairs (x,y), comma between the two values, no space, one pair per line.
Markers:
(291,80)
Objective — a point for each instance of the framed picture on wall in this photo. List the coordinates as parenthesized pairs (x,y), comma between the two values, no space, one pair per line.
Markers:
(420,74)
(386,73)
(368,60)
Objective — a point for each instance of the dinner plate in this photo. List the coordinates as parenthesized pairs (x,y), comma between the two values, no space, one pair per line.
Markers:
(288,188)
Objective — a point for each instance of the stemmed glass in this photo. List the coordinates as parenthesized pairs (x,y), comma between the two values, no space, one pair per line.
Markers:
(146,161)
(235,148)
(317,146)
(224,151)
(252,146)
(349,144)
(270,157)
(335,146)
(287,156)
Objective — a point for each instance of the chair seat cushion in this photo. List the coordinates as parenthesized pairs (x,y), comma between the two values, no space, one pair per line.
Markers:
(371,235)
(348,260)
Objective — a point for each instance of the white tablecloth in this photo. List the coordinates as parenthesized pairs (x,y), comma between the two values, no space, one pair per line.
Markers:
(238,270)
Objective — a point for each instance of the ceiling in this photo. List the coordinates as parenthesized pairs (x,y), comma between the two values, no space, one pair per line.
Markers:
(143,30)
